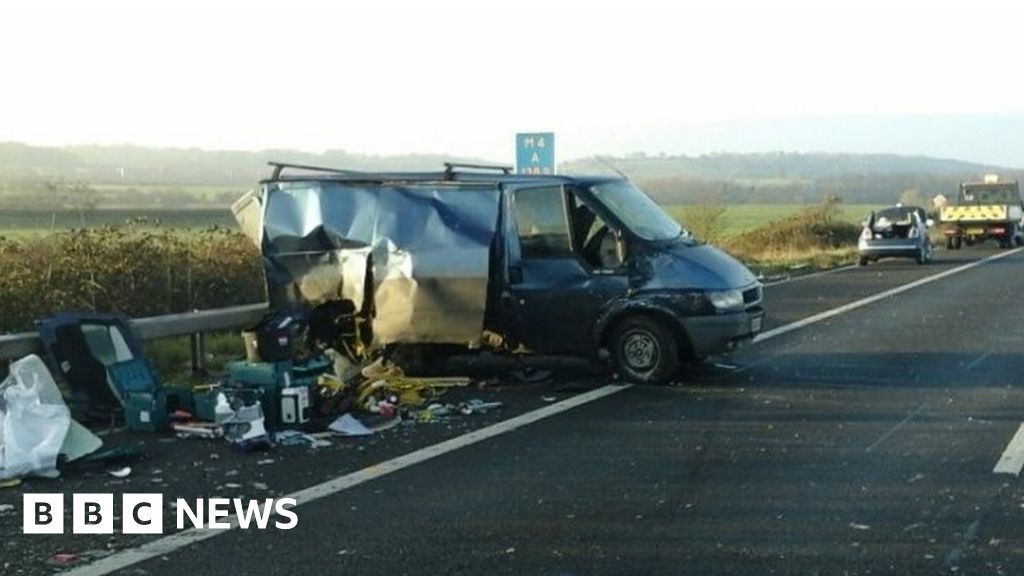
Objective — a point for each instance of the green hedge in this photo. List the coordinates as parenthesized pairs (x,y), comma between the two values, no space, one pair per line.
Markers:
(136,272)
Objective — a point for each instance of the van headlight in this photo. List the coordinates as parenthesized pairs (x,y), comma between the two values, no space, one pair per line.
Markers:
(726,300)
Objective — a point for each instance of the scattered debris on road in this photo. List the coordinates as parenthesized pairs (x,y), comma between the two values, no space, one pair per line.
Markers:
(121,472)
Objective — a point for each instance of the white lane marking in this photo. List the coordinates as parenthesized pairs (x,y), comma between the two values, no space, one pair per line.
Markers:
(812,275)
(1012,459)
(875,298)
(977,361)
(170,543)
(895,428)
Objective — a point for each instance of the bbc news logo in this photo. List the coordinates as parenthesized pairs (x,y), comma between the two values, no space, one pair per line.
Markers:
(144,513)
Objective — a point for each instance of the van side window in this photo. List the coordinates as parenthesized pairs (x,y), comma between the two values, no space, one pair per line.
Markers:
(541,219)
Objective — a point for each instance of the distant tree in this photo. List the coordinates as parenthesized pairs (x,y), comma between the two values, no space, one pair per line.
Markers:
(913,197)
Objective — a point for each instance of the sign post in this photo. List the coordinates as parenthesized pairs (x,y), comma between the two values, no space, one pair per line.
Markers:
(535,153)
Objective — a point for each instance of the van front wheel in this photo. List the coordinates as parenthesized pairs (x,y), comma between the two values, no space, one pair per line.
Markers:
(645,350)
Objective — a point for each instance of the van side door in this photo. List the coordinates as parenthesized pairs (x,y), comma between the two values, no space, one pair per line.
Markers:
(563,264)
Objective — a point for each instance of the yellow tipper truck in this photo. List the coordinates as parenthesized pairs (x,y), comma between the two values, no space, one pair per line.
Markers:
(984,210)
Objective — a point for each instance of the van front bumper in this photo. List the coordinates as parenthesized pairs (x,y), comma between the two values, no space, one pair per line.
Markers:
(721,333)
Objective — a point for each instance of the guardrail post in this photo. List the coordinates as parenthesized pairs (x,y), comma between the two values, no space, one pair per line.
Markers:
(198,341)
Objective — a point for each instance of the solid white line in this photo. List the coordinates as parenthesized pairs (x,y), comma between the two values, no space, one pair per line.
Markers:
(875,298)
(1012,459)
(173,542)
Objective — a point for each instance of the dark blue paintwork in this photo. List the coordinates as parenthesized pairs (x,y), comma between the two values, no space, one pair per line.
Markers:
(683,267)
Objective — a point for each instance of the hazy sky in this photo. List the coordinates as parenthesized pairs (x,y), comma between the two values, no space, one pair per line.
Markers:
(462,77)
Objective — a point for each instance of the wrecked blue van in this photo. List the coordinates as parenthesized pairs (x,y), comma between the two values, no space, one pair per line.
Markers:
(479,256)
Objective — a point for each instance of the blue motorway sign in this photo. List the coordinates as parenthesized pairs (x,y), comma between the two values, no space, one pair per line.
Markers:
(535,153)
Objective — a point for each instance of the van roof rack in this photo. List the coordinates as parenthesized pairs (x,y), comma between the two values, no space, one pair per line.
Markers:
(449,168)
(449,173)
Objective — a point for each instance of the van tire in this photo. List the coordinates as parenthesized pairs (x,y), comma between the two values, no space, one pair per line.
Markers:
(644,350)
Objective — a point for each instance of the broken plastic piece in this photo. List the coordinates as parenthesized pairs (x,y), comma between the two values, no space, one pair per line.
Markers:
(296,438)
(64,559)
(79,442)
(348,425)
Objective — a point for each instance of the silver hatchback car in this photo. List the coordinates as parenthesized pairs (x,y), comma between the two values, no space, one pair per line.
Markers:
(900,231)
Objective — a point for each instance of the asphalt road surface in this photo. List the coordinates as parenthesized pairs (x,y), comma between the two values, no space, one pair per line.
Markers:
(861,443)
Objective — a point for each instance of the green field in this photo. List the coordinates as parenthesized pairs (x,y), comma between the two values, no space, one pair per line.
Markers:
(740,218)
(199,194)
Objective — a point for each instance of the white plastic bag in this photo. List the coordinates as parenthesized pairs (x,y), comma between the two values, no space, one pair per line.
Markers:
(33,420)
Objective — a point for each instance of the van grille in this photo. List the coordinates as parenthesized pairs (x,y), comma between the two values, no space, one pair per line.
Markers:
(752,295)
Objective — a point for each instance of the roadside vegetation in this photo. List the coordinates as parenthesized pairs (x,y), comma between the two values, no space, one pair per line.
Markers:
(136,271)
(780,239)
(816,237)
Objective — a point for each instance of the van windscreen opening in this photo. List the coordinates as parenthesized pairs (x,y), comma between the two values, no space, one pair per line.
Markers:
(637,211)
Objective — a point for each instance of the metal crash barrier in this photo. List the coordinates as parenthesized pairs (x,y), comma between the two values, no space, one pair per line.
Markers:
(194,324)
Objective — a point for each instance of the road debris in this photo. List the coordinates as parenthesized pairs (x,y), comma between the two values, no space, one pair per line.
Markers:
(121,472)
(348,425)
(63,559)
(33,418)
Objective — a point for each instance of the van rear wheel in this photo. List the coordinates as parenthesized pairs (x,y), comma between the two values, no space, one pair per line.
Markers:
(645,351)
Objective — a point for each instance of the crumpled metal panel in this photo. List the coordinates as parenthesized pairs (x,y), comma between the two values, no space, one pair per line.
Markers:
(249,215)
(426,250)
